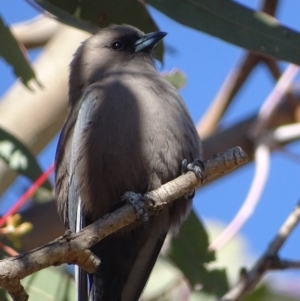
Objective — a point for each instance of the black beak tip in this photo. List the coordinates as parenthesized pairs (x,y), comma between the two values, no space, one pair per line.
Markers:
(148,41)
(163,34)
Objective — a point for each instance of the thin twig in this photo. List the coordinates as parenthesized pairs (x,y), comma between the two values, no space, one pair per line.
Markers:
(232,84)
(271,103)
(262,166)
(268,261)
(289,264)
(287,133)
(262,155)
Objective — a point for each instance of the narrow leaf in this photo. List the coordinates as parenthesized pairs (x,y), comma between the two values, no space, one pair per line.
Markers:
(13,55)
(4,295)
(89,15)
(18,158)
(236,24)
(190,253)
(50,284)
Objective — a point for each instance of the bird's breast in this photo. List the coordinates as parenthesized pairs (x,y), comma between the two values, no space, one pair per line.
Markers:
(135,140)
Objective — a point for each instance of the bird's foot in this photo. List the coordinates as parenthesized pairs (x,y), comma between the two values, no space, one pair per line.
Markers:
(197,167)
(137,202)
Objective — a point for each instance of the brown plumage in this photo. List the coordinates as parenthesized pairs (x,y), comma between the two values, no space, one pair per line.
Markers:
(127,130)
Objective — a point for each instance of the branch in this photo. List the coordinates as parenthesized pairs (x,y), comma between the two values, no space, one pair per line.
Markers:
(235,80)
(264,144)
(234,135)
(272,102)
(74,248)
(268,261)
(36,32)
(232,84)
(36,117)
(238,134)
(262,169)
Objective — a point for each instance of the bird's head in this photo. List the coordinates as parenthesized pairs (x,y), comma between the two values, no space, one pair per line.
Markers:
(112,48)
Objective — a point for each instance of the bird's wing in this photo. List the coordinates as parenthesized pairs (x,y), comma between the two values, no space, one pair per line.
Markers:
(75,216)
(62,163)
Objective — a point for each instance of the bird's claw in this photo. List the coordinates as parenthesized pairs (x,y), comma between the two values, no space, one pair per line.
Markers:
(197,167)
(137,202)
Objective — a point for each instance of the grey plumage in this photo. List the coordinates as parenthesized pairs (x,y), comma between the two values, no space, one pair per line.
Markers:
(127,130)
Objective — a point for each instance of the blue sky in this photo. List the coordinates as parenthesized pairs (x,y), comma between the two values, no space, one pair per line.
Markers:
(206,62)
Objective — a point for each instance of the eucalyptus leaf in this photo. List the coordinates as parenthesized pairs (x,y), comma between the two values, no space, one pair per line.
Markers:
(4,295)
(50,284)
(91,15)
(19,158)
(11,52)
(236,24)
(189,251)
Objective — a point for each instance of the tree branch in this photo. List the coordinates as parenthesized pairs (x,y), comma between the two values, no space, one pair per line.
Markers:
(74,248)
(268,261)
(35,117)
(232,84)
(238,134)
(36,32)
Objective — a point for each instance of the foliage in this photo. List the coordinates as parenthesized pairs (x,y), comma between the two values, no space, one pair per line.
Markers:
(187,258)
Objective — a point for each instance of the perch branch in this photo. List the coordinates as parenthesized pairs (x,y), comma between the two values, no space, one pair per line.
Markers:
(74,248)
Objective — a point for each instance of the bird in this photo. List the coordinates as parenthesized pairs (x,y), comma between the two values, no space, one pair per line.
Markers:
(127,129)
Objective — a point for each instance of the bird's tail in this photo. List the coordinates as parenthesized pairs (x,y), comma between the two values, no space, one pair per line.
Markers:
(127,260)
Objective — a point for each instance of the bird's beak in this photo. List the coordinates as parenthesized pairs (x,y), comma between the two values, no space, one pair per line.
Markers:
(148,41)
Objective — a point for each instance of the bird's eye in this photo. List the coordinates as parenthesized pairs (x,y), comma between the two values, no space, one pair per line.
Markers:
(117,45)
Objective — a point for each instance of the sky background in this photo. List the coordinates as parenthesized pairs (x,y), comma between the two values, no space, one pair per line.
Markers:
(206,62)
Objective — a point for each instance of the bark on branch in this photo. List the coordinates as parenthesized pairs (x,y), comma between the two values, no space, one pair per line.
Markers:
(74,247)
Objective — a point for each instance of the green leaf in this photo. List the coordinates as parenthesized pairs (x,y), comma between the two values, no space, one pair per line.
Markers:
(176,77)
(236,24)
(50,284)
(17,156)
(4,295)
(89,15)
(66,12)
(190,253)
(234,255)
(12,54)
(201,296)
